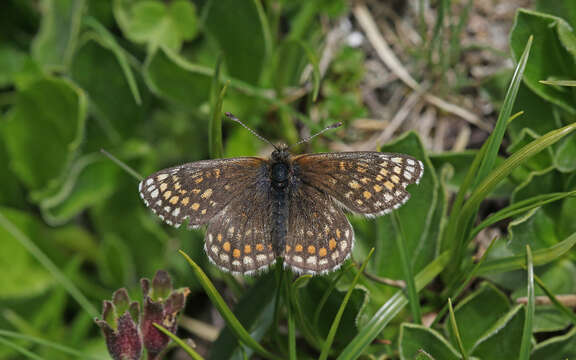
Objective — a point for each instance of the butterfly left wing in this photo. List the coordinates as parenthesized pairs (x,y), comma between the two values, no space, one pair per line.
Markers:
(197,191)
(368,183)
(320,237)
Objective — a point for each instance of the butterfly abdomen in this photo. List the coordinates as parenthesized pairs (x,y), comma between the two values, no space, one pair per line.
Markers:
(280,175)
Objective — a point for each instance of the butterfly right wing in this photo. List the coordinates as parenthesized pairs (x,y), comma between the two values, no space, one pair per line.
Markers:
(197,191)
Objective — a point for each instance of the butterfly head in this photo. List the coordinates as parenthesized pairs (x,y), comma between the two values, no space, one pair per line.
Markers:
(280,154)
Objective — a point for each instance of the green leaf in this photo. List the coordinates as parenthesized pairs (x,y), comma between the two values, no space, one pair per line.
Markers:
(172,77)
(456,331)
(22,276)
(414,338)
(216,100)
(12,61)
(561,8)
(526,344)
(564,158)
(242,35)
(54,109)
(542,256)
(157,24)
(558,347)
(183,344)
(390,309)
(231,320)
(55,43)
(482,308)
(552,58)
(501,341)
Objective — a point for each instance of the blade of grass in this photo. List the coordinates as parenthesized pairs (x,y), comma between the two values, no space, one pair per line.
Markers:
(336,322)
(231,320)
(558,82)
(413,299)
(216,99)
(519,208)
(47,343)
(561,307)
(326,295)
(122,165)
(391,308)
(193,354)
(43,259)
(470,275)
(20,349)
(457,232)
(540,257)
(526,344)
(456,331)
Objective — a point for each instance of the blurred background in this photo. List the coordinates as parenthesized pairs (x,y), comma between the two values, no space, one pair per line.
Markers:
(142,79)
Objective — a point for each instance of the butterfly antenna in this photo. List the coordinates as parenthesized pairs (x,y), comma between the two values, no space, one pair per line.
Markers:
(234,118)
(306,139)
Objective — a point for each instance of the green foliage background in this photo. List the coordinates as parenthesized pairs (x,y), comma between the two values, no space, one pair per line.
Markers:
(139,79)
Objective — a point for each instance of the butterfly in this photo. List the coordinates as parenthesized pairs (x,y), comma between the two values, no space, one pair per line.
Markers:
(289,206)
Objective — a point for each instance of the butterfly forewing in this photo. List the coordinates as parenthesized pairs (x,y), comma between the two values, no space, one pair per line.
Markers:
(368,183)
(196,192)
(320,237)
(238,239)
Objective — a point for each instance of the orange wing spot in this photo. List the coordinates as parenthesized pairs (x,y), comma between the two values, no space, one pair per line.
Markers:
(359,202)
(379,178)
(377,188)
(183,191)
(298,248)
(397,170)
(226,246)
(185,201)
(236,253)
(217,173)
(322,252)
(203,212)
(167,194)
(196,191)
(206,194)
(177,186)
(247,249)
(367,195)
(361,169)
(259,247)
(288,248)
(195,206)
(389,185)
(174,200)
(338,233)
(395,179)
(163,187)
(175,178)
(384,172)
(199,180)
(311,250)
(354,184)
(219,237)
(342,165)
(269,246)
(365,180)
(332,244)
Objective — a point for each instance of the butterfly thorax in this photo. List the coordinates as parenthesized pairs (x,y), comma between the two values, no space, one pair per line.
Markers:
(280,177)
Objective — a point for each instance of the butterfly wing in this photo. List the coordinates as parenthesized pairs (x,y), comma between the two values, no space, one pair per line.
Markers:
(368,183)
(239,239)
(197,191)
(320,237)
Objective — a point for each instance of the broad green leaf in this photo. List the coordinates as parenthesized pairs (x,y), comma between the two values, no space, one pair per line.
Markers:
(540,161)
(558,347)
(12,61)
(415,218)
(174,78)
(157,23)
(551,58)
(541,257)
(22,276)
(242,34)
(482,308)
(546,181)
(255,311)
(502,340)
(388,311)
(43,132)
(562,8)
(535,228)
(55,43)
(564,158)
(539,115)
(97,69)
(414,338)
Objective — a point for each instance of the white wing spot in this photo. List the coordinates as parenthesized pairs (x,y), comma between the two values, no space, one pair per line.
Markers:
(236,263)
(335,255)
(214,249)
(260,257)
(297,258)
(161,177)
(343,245)
(149,182)
(154,194)
(407,176)
(323,262)
(410,162)
(410,168)
(176,212)
(311,260)
(248,260)
(224,257)
(347,233)
(167,209)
